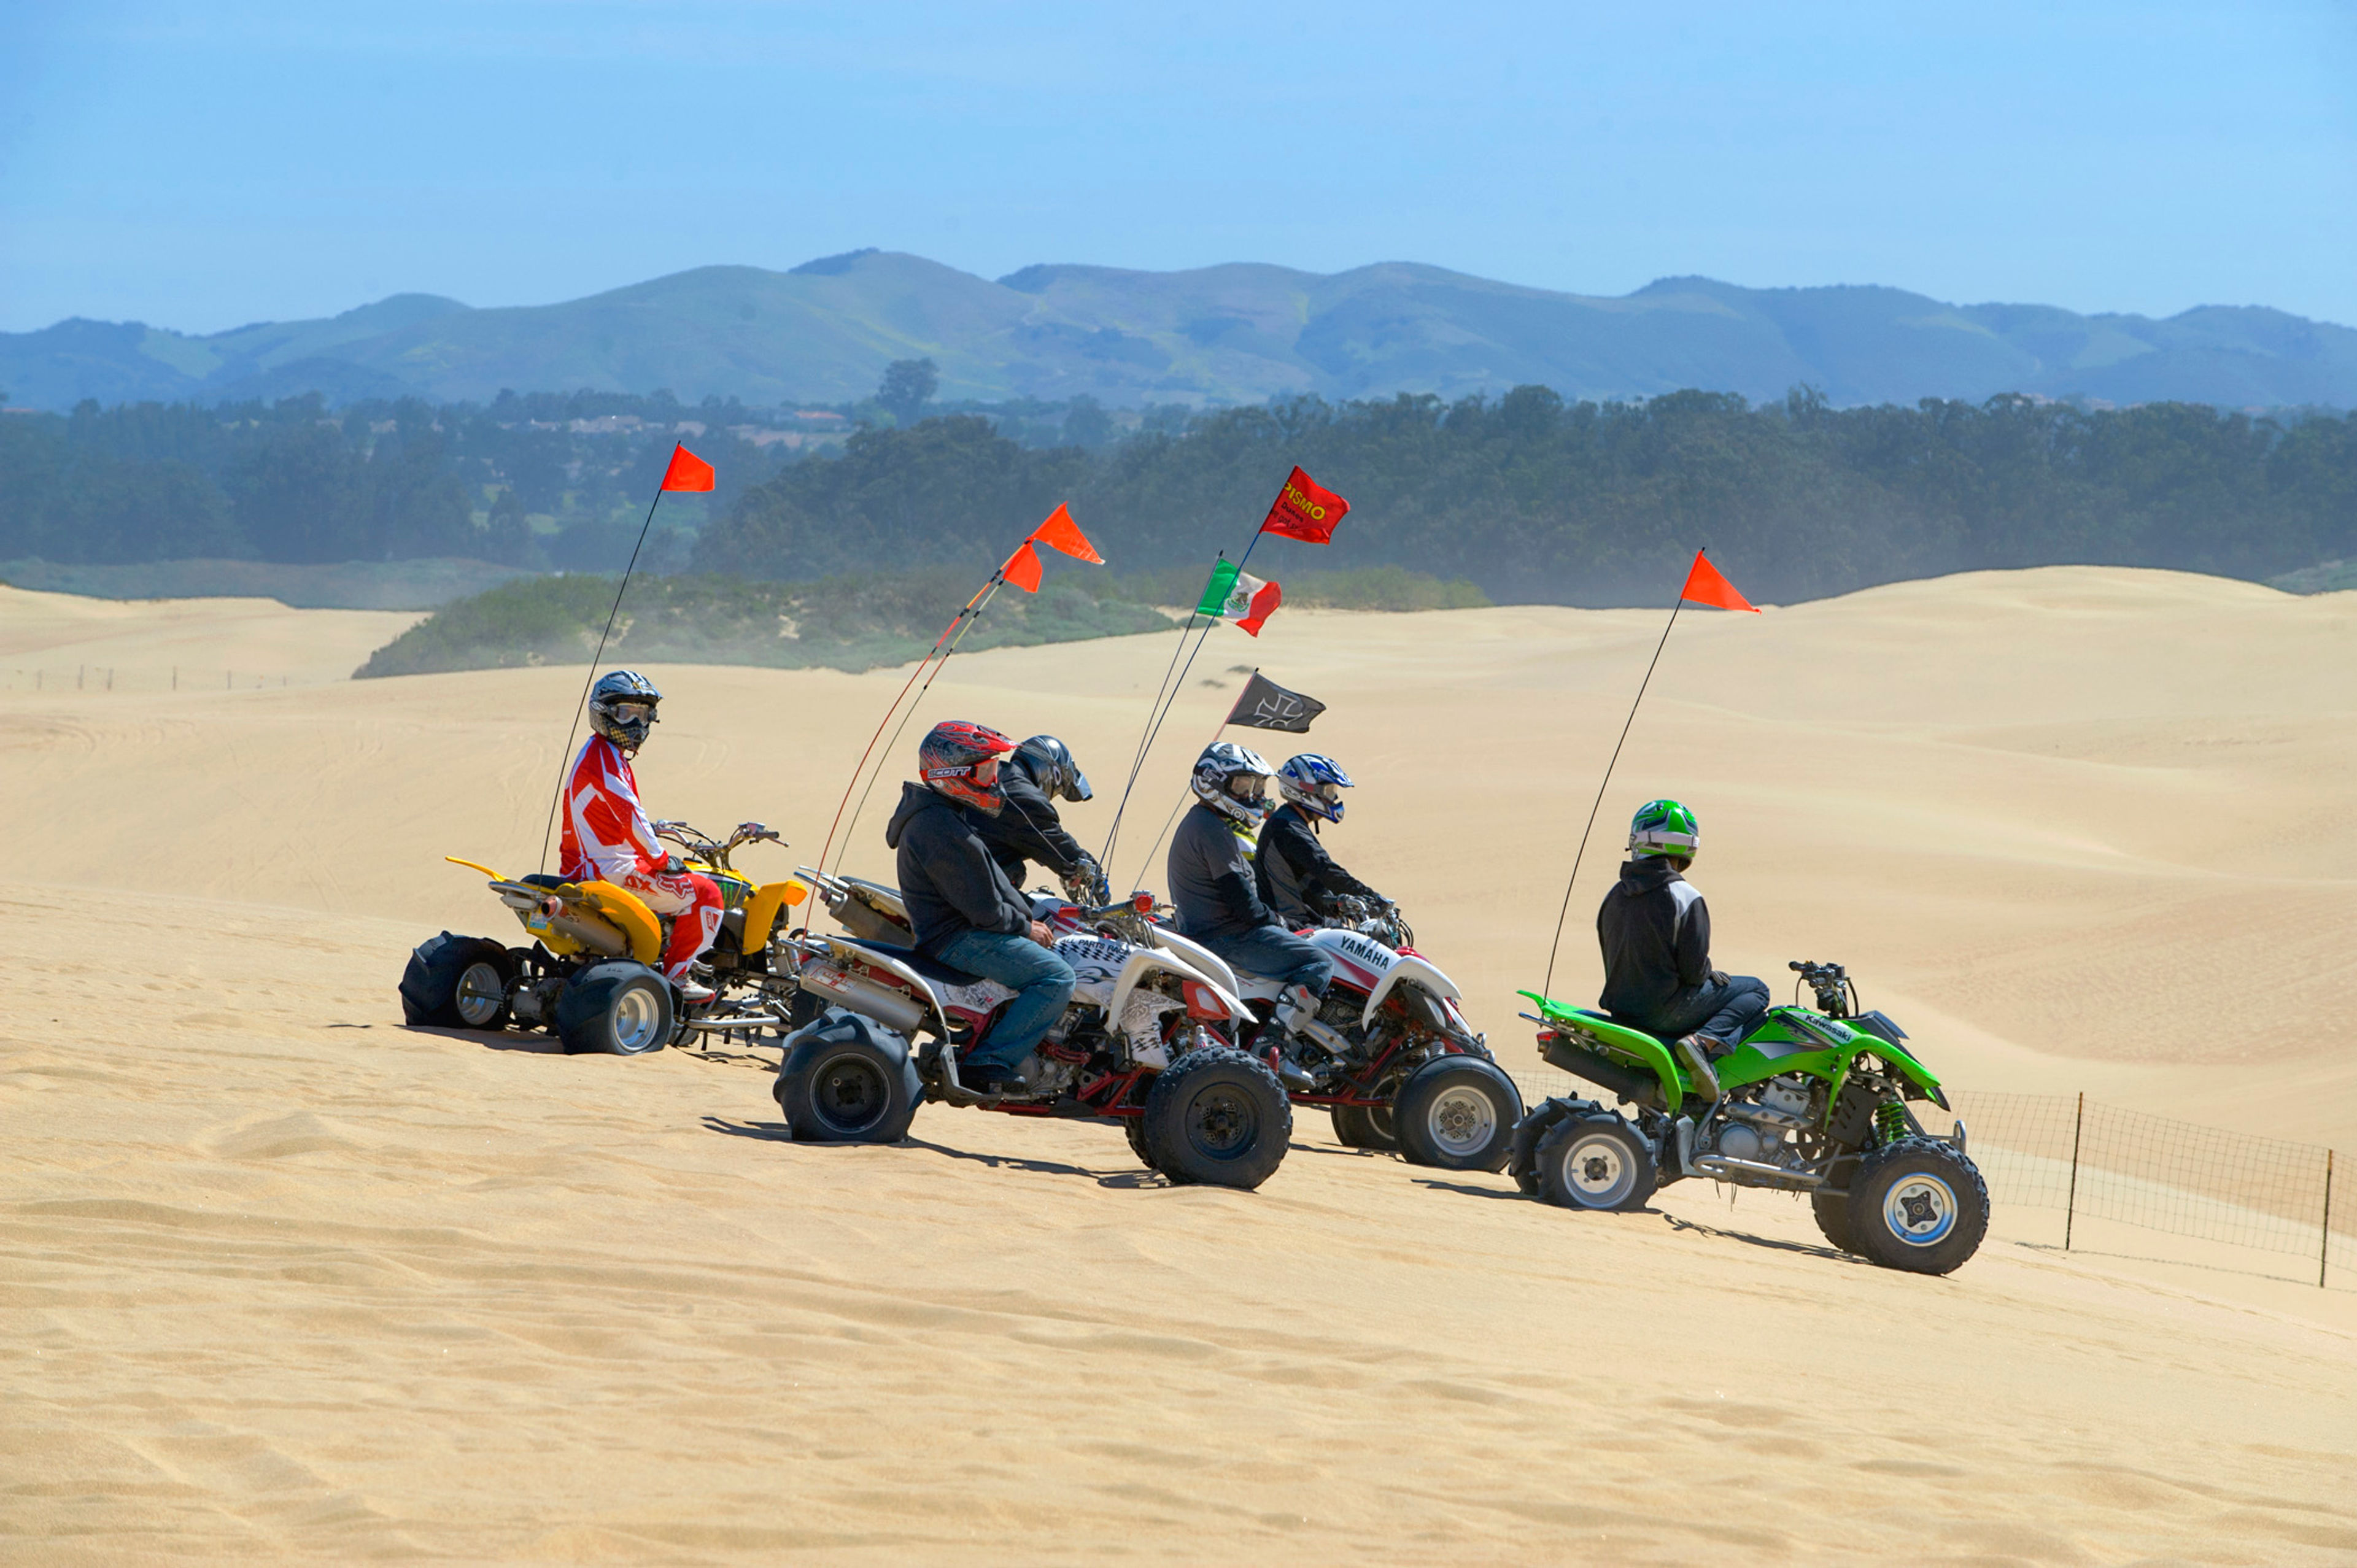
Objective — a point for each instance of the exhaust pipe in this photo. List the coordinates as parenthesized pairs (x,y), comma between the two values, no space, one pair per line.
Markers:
(601,937)
(1630,1084)
(895,1010)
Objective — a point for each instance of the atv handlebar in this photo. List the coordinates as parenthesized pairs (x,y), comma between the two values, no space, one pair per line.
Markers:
(1837,993)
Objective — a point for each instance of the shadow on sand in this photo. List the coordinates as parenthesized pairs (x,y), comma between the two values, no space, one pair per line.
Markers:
(775,1132)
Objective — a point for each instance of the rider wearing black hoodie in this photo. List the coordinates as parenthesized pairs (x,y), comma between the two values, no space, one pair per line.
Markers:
(1655,931)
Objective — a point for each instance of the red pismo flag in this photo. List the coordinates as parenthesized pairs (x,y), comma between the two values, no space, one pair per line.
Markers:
(1305,509)
(1231,594)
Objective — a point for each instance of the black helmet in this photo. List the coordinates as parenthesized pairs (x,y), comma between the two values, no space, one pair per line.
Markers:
(1050,763)
(622,707)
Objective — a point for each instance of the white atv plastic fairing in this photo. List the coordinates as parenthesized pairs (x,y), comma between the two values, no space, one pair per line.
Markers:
(1360,962)
(1202,960)
(1410,970)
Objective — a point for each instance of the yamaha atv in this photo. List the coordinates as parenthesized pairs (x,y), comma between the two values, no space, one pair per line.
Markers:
(1814,1101)
(1147,1041)
(591,973)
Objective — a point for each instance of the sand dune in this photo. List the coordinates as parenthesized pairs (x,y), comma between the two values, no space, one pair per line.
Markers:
(286,1280)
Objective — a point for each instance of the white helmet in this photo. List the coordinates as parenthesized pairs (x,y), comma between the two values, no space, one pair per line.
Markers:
(1221,770)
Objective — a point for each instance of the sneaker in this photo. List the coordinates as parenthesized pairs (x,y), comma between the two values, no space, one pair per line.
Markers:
(1696,1050)
(694,994)
(988,1077)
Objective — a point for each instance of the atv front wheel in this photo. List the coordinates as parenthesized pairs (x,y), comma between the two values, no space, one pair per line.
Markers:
(457,982)
(1832,1210)
(1595,1162)
(1219,1117)
(614,1009)
(1457,1113)
(1918,1204)
(844,1082)
(1365,1127)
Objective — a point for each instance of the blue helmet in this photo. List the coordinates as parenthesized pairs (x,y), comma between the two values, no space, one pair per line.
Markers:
(1315,784)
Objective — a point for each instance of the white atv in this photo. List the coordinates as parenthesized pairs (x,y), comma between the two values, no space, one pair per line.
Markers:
(1148,1040)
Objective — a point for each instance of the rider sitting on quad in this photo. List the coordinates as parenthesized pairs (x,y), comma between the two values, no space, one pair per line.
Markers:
(967,913)
(1655,930)
(1297,879)
(1028,828)
(1211,883)
(609,839)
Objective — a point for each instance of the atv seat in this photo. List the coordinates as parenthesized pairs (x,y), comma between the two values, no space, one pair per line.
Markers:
(930,968)
(541,879)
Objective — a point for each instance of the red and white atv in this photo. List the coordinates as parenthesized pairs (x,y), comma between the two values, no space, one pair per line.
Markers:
(1148,1040)
(1390,1054)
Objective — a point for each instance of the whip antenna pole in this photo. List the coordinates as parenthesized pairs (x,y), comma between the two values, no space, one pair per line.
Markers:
(963,616)
(1546,988)
(565,758)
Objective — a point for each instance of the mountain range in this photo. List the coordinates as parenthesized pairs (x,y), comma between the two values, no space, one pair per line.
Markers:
(824,331)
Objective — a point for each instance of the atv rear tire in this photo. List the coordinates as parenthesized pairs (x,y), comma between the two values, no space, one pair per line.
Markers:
(1832,1210)
(457,982)
(1365,1127)
(1919,1205)
(619,1009)
(1134,1129)
(1595,1162)
(1457,1113)
(846,1082)
(1217,1117)
(1523,1159)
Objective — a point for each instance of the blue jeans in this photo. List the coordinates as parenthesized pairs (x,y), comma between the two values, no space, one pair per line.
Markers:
(1043,981)
(1276,954)
(1723,1015)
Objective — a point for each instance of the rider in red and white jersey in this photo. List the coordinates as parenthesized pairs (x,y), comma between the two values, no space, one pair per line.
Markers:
(608,837)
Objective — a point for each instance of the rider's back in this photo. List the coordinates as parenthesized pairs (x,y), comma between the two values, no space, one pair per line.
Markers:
(948,881)
(1211,879)
(1655,932)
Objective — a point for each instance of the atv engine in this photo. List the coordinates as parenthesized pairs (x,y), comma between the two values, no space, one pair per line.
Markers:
(1760,1120)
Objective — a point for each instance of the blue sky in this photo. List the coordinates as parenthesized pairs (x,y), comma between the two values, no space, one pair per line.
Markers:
(200,165)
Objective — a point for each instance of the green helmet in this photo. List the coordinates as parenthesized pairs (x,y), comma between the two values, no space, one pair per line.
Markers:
(1663,828)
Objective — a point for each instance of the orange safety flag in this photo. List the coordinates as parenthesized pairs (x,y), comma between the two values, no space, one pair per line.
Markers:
(687,471)
(1706,586)
(1060,533)
(1022,568)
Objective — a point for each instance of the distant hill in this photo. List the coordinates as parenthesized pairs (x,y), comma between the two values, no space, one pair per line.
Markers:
(825,331)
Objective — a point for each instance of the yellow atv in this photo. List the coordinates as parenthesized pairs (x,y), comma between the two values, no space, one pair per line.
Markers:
(591,973)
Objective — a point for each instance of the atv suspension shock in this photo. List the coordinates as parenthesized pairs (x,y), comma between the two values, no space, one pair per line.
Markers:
(1889,1121)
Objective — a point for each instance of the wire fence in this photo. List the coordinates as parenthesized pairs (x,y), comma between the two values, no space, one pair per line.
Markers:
(2091,1161)
(87,678)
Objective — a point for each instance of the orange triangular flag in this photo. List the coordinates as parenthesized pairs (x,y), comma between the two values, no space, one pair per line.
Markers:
(1706,586)
(687,471)
(1060,533)
(1022,568)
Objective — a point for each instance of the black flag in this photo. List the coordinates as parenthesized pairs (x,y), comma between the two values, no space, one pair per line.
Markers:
(1268,706)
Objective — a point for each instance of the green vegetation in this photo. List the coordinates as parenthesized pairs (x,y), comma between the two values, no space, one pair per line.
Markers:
(842,623)
(2325,577)
(1532,498)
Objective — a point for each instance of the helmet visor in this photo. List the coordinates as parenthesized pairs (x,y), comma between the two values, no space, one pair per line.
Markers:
(630,710)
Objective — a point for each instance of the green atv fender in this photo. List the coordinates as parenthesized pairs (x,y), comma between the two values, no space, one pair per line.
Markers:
(1789,1039)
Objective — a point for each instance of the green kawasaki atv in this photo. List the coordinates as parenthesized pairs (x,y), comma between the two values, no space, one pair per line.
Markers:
(1813,1101)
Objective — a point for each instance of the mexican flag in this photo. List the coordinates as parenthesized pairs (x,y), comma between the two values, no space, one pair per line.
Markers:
(1233,595)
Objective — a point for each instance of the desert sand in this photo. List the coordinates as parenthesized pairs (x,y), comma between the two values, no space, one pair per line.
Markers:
(282,1279)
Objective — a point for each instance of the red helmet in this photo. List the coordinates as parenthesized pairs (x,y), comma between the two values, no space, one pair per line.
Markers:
(950,754)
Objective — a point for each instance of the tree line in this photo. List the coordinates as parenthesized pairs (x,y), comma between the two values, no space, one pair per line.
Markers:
(1536,499)
(1528,496)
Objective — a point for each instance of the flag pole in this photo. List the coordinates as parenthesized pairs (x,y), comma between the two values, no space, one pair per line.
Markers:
(962,618)
(565,758)
(1546,987)
(940,664)
(1154,729)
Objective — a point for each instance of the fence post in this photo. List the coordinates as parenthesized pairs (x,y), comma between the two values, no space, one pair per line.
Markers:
(2324,1231)
(2071,1204)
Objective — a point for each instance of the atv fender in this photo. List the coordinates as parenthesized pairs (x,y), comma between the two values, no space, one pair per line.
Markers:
(1144,960)
(1650,1055)
(1409,969)
(761,911)
(1197,957)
